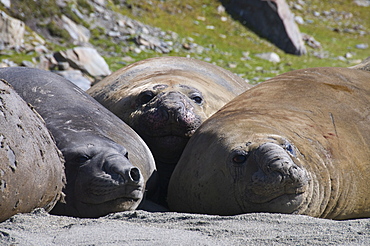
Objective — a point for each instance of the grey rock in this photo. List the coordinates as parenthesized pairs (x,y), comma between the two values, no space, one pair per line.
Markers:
(76,77)
(28,64)
(46,62)
(41,49)
(6,3)
(362,46)
(363,3)
(270,56)
(153,43)
(8,63)
(86,59)
(11,31)
(310,41)
(299,20)
(271,20)
(78,33)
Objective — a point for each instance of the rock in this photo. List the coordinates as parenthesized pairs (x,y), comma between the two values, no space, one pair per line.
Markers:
(41,49)
(271,20)
(362,46)
(348,55)
(11,31)
(76,77)
(299,20)
(77,32)
(270,56)
(6,3)
(310,41)
(46,62)
(220,9)
(152,42)
(28,64)
(363,3)
(85,59)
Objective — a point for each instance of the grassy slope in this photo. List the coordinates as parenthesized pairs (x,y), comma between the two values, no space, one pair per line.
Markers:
(177,16)
(228,40)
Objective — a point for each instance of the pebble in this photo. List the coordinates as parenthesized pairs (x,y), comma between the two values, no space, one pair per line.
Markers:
(270,56)
(362,46)
(299,20)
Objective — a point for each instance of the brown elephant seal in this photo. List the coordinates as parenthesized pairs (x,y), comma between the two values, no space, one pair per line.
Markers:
(31,166)
(165,100)
(298,143)
(107,163)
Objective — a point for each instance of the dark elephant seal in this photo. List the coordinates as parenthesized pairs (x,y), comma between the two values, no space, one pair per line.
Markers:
(298,143)
(107,163)
(31,166)
(165,99)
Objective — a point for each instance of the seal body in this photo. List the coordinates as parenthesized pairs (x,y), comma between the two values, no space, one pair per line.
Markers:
(31,166)
(165,100)
(298,143)
(107,163)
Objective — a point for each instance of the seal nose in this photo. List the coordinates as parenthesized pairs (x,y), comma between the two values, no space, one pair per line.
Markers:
(277,167)
(172,106)
(122,171)
(127,175)
(134,175)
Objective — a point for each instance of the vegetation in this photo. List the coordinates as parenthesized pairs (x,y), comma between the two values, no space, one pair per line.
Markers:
(227,42)
(229,39)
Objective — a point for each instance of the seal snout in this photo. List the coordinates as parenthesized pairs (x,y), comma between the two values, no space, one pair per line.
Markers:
(122,172)
(277,173)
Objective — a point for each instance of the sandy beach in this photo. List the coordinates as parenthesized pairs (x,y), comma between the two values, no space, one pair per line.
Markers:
(146,228)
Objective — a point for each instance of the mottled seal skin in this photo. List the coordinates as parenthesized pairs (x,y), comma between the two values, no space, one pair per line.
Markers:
(107,163)
(165,99)
(298,143)
(31,166)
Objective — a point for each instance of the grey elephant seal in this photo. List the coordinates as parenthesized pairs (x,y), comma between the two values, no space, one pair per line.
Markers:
(298,143)
(107,163)
(165,99)
(31,166)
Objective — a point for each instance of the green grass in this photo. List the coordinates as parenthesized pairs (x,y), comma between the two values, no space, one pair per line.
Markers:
(175,15)
(229,39)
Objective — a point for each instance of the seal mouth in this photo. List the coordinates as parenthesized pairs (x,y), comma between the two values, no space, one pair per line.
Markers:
(104,189)
(133,196)
(285,203)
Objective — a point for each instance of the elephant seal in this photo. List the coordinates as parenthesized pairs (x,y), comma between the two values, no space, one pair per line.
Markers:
(107,163)
(165,99)
(31,166)
(298,143)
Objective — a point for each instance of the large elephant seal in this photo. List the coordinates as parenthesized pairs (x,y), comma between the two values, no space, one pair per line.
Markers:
(107,163)
(298,143)
(165,99)
(31,166)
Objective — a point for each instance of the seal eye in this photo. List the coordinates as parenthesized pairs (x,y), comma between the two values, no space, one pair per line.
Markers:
(288,147)
(197,99)
(126,155)
(239,159)
(146,96)
(82,158)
